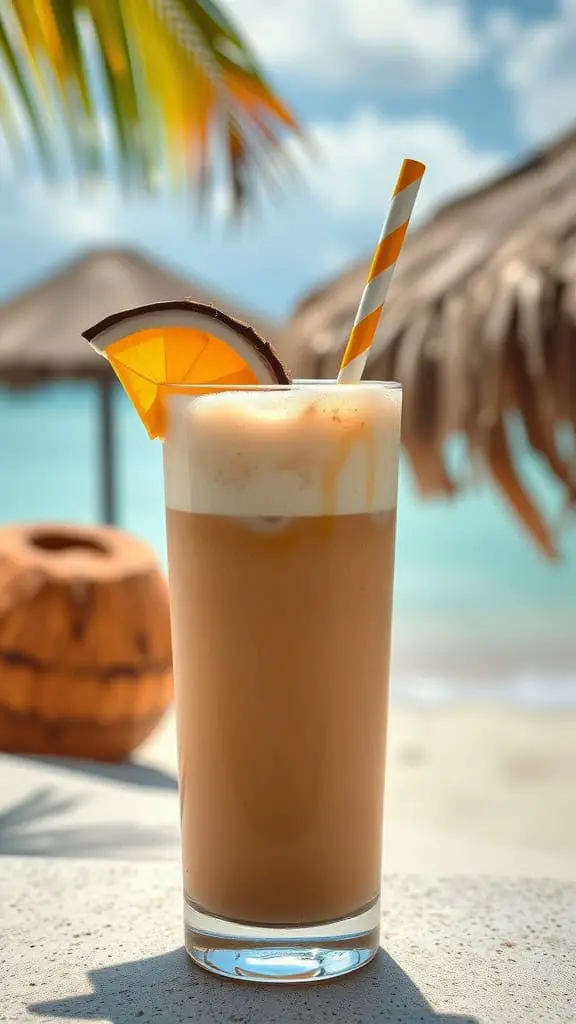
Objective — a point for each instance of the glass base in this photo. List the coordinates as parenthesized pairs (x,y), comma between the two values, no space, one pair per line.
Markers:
(289,954)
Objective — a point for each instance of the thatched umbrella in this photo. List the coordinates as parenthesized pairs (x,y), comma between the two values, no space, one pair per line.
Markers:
(480,325)
(40,331)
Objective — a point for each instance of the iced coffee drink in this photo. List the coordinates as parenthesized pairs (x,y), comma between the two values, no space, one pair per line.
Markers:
(280,506)
(281,520)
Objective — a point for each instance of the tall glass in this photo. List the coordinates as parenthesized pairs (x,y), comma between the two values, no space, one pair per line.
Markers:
(281,509)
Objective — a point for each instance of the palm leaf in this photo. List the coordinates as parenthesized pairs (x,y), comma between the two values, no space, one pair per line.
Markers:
(13,83)
(156,89)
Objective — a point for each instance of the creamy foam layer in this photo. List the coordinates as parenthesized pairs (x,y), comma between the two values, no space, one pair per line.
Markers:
(301,451)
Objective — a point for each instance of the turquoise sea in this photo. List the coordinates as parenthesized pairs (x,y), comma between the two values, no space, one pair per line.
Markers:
(478,612)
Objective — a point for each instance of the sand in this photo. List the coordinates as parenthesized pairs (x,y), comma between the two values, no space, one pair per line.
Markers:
(500,774)
(489,775)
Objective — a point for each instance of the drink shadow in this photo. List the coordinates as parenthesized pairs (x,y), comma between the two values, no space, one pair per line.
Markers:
(168,989)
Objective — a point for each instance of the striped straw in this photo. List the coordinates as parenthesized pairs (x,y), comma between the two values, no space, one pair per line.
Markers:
(381,271)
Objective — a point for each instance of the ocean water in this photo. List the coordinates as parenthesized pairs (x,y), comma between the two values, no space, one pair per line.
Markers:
(478,612)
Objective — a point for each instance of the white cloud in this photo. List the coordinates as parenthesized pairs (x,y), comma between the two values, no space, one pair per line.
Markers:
(361,158)
(88,216)
(401,45)
(313,230)
(501,28)
(539,65)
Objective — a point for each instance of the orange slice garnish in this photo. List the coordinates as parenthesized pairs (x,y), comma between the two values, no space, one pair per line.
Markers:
(157,348)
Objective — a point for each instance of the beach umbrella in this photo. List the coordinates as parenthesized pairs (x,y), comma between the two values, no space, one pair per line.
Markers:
(480,328)
(40,331)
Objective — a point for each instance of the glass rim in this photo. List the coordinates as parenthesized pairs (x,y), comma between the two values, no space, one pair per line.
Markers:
(304,383)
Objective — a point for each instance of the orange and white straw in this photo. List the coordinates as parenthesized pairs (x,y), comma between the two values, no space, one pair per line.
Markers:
(381,271)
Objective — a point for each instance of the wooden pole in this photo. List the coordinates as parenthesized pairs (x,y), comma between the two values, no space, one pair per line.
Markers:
(107,452)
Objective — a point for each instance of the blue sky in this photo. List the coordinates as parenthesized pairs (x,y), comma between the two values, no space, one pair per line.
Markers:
(465,85)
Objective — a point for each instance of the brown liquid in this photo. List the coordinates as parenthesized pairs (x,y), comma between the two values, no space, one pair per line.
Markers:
(281,650)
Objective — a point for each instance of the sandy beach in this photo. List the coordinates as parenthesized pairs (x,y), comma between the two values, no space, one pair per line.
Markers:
(506,775)
(486,774)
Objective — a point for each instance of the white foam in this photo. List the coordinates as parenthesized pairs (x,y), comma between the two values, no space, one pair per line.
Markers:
(326,449)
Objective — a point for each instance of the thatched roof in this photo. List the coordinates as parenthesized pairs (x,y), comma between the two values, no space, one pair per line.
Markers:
(40,328)
(480,320)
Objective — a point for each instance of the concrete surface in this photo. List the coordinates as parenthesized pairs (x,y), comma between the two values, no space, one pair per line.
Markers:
(59,808)
(101,941)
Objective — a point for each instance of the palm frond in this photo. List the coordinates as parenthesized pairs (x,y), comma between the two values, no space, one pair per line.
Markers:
(158,90)
(15,98)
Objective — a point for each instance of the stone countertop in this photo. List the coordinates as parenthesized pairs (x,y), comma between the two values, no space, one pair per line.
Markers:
(101,941)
